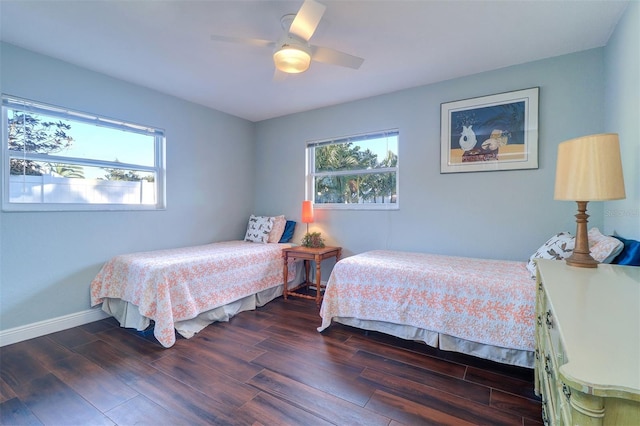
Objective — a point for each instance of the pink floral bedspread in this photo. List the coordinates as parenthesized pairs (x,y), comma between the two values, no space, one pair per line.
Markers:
(485,301)
(178,284)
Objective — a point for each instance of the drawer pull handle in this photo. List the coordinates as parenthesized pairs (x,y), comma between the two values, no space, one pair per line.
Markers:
(566,390)
(545,416)
(547,360)
(546,365)
(549,319)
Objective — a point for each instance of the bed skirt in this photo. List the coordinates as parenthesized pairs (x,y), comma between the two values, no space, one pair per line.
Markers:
(445,342)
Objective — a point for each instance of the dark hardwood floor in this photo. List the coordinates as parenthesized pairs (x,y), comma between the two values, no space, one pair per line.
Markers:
(264,367)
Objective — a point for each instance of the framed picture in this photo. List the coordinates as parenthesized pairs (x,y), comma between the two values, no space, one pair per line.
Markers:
(496,132)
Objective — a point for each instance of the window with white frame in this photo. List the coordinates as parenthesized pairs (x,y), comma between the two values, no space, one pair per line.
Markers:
(58,159)
(354,172)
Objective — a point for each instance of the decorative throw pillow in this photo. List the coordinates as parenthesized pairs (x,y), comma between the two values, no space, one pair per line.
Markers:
(287,235)
(630,254)
(602,247)
(278,228)
(258,229)
(557,247)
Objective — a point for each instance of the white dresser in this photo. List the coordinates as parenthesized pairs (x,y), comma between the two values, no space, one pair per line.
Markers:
(588,344)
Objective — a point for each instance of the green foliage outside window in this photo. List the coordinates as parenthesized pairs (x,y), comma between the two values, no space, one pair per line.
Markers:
(352,173)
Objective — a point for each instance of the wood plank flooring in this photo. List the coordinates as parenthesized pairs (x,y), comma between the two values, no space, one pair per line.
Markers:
(264,367)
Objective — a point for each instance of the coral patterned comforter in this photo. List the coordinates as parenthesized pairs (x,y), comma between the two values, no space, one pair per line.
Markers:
(178,284)
(490,302)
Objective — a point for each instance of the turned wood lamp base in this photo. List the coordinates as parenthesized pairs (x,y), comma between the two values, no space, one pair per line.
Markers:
(581,256)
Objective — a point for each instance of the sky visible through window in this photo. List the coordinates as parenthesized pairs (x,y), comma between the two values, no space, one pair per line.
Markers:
(381,146)
(109,144)
(102,143)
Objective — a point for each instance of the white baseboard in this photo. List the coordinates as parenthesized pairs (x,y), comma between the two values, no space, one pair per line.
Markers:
(37,329)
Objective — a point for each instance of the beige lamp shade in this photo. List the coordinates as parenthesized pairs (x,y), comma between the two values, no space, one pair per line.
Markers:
(590,169)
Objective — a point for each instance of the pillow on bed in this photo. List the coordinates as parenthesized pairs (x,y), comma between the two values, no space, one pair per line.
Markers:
(557,247)
(278,228)
(630,254)
(258,229)
(602,247)
(287,235)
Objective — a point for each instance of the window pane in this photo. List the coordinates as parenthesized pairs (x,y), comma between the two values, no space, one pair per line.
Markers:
(356,189)
(362,154)
(40,133)
(66,183)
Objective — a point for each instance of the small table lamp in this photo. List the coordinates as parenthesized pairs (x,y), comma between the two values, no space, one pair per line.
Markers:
(307,213)
(589,169)
(313,240)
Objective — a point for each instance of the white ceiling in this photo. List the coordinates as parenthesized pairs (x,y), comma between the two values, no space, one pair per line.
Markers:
(166,45)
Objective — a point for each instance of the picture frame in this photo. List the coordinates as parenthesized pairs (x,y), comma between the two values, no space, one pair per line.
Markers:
(489,133)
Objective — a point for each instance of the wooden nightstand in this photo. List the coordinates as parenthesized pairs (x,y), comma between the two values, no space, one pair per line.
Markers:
(308,254)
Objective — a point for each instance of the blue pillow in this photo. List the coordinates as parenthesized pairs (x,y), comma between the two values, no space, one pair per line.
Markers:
(630,254)
(287,234)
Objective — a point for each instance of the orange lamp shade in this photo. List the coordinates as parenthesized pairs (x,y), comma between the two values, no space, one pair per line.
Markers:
(307,212)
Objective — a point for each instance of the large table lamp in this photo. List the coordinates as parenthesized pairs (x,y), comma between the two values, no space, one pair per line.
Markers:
(589,168)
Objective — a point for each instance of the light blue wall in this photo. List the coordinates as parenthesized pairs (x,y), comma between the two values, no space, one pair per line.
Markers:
(48,259)
(622,116)
(506,214)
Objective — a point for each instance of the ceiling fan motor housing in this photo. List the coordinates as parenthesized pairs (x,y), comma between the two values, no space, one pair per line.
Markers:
(292,54)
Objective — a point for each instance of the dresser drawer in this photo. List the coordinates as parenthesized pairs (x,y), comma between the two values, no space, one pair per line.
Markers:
(548,392)
(550,355)
(549,328)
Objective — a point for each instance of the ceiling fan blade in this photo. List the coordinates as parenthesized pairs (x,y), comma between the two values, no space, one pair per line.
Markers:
(307,19)
(241,40)
(335,57)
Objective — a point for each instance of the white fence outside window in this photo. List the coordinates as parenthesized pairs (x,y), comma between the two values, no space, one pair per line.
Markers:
(54,189)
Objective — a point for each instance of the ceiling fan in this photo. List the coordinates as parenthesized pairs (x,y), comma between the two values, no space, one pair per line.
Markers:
(292,52)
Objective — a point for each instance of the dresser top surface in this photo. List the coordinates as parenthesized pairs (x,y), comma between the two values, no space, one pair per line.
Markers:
(597,312)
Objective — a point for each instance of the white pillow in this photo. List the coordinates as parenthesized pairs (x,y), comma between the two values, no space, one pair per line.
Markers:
(278,228)
(258,229)
(557,247)
(603,248)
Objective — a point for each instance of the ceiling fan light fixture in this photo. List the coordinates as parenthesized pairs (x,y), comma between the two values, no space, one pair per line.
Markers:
(291,59)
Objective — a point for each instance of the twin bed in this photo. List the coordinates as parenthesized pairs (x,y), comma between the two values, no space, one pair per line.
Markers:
(480,307)
(188,288)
